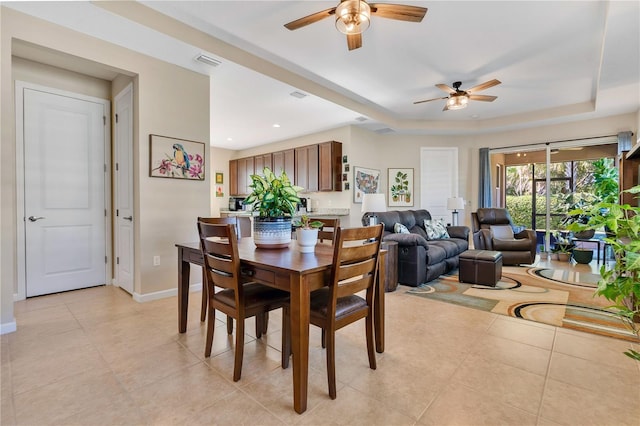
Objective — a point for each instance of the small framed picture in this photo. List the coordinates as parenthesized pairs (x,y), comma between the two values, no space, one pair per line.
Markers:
(346,167)
(219,178)
(346,186)
(219,192)
(345,177)
(344,159)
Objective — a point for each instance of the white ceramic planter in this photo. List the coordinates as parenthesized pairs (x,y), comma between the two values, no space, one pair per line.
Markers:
(307,239)
(272,232)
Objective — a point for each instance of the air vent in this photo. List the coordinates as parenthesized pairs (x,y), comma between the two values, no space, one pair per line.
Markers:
(384,130)
(208,60)
(298,95)
(361,118)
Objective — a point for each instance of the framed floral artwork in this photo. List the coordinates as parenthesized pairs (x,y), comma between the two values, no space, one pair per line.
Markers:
(400,183)
(176,158)
(365,181)
(219,177)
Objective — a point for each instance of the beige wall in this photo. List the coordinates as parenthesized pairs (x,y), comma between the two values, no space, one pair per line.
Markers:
(169,101)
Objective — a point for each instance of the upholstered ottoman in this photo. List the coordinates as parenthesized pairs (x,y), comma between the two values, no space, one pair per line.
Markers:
(480,267)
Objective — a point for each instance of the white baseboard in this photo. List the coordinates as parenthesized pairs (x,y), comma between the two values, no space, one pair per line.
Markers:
(148,297)
(8,327)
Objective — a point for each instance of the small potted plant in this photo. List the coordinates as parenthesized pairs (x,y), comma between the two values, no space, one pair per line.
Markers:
(275,199)
(307,233)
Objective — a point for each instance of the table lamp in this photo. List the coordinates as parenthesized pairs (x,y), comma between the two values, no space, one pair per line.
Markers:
(455,204)
(373,203)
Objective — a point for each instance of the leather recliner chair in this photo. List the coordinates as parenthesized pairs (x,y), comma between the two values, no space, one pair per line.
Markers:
(516,249)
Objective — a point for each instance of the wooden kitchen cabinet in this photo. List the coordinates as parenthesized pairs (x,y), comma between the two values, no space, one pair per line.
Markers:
(330,166)
(262,161)
(240,172)
(233,177)
(284,161)
(307,166)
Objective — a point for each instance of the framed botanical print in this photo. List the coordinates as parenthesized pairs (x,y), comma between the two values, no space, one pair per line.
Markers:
(400,184)
(365,181)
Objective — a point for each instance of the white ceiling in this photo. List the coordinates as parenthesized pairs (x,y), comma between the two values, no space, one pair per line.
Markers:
(558,62)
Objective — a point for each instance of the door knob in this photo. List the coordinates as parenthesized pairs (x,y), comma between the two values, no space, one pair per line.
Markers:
(34,218)
(129,218)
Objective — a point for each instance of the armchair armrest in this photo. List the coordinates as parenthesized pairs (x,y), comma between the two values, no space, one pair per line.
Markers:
(461,232)
(407,240)
(483,240)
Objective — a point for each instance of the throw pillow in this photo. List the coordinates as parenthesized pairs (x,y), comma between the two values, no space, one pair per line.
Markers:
(399,228)
(436,229)
(502,232)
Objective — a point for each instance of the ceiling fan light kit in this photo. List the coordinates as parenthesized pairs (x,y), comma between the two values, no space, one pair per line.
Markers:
(353,17)
(457,102)
(459,99)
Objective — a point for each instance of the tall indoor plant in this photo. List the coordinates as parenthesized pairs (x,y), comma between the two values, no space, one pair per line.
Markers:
(620,283)
(275,198)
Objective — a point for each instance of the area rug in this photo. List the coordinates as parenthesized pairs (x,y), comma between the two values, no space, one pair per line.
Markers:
(557,297)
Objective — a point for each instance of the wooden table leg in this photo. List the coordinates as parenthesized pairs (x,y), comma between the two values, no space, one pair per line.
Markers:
(300,341)
(378,304)
(183,291)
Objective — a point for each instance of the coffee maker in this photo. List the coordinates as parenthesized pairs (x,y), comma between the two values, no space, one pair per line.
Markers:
(235,204)
(305,203)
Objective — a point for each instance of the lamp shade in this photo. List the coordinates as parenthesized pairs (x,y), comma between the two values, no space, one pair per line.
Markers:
(374,203)
(455,203)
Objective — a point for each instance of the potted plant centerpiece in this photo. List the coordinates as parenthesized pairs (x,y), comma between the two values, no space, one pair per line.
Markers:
(275,199)
(620,282)
(307,233)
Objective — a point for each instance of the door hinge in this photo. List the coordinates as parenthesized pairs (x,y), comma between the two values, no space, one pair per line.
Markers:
(117,167)
(117,212)
(116,118)
(104,120)
(105,212)
(106,260)
(105,168)
(117,260)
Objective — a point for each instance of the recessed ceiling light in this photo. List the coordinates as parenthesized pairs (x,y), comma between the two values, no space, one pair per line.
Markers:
(298,95)
(276,125)
(229,139)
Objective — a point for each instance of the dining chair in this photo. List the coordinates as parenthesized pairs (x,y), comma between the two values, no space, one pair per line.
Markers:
(217,220)
(236,299)
(355,266)
(329,228)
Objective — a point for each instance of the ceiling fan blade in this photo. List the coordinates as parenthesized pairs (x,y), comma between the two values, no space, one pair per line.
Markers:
(484,86)
(429,100)
(446,107)
(314,17)
(483,98)
(401,12)
(354,41)
(445,88)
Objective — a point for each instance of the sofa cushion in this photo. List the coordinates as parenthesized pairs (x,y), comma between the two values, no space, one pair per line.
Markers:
(435,229)
(449,246)
(399,228)
(503,232)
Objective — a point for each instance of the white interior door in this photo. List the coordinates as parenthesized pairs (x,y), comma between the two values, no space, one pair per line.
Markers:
(124,225)
(438,180)
(64,192)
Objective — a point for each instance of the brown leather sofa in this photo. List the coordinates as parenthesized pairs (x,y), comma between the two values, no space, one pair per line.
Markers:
(421,260)
(521,248)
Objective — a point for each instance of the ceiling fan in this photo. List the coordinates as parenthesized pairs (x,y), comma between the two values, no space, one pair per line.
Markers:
(459,99)
(353,17)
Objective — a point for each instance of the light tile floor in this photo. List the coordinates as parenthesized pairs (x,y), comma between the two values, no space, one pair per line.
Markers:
(95,357)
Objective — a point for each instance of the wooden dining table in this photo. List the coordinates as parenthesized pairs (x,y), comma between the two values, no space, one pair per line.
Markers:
(292,271)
